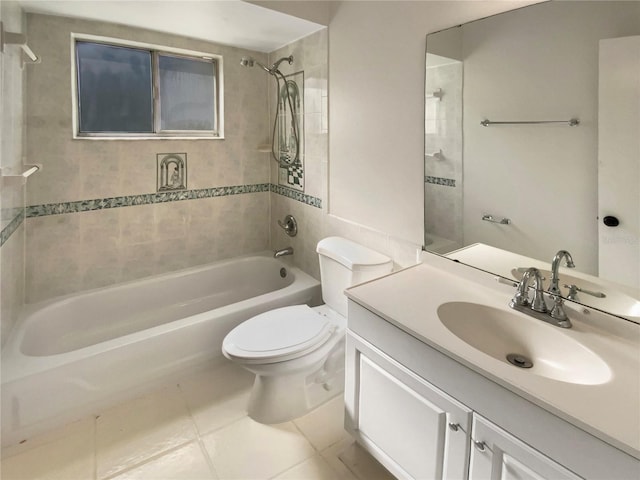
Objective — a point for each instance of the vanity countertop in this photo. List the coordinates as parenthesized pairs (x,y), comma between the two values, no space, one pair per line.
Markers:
(410,298)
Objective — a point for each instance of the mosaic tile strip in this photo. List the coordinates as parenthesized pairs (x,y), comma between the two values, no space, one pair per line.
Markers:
(295,195)
(11,227)
(445,182)
(145,199)
(162,197)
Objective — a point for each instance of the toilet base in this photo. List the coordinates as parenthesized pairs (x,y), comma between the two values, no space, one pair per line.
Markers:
(277,399)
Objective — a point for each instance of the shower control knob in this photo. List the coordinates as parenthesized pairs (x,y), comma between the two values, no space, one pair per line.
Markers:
(611,221)
(290,226)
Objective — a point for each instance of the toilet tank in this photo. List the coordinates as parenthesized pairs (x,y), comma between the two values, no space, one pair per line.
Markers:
(344,263)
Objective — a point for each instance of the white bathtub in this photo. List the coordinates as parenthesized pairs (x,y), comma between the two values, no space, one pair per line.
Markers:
(71,356)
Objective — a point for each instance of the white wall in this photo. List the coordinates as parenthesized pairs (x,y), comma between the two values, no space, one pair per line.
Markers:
(376,111)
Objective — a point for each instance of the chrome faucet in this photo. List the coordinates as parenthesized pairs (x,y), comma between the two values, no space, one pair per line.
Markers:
(554,287)
(521,298)
(283,252)
(537,307)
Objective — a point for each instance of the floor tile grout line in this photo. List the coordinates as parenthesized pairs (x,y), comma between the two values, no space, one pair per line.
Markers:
(317,454)
(199,440)
(146,461)
(192,417)
(207,458)
(167,386)
(304,436)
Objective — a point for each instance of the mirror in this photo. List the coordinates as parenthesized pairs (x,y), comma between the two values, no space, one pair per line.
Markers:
(543,180)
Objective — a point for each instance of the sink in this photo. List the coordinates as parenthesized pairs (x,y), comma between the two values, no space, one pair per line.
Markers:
(499,333)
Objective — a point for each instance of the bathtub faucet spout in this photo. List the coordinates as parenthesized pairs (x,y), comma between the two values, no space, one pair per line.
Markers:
(283,252)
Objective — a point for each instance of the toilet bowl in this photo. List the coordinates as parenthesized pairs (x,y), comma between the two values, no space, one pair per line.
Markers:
(297,352)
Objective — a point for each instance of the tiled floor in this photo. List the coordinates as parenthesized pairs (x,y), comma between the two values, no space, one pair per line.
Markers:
(195,430)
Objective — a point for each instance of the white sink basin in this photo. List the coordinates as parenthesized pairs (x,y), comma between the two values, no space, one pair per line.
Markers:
(614,301)
(499,333)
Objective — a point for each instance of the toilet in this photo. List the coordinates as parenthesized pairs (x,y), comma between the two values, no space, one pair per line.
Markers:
(297,352)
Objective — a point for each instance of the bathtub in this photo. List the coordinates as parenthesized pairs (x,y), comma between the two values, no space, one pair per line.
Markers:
(74,355)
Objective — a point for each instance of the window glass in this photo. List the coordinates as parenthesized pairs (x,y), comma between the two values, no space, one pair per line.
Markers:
(187,87)
(115,89)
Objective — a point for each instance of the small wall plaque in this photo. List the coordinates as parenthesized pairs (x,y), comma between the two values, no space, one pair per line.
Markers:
(172,171)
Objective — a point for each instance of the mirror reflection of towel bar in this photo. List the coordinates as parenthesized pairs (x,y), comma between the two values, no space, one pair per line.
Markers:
(491,218)
(571,122)
(438,155)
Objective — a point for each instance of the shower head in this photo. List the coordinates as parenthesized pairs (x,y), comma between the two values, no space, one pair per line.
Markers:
(250,61)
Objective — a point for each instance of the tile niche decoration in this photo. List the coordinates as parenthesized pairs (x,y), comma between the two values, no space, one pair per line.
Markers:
(172,171)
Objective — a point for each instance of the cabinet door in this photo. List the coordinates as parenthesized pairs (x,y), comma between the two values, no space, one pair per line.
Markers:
(412,428)
(498,455)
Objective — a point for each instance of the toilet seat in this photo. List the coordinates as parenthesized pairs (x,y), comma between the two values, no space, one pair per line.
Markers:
(278,335)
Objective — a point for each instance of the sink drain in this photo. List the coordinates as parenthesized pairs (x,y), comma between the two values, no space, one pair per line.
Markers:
(519,360)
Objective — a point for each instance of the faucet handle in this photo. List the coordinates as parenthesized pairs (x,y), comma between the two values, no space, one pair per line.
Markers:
(290,226)
(521,298)
(558,313)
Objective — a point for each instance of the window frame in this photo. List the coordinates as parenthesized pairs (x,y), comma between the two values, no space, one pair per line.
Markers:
(218,78)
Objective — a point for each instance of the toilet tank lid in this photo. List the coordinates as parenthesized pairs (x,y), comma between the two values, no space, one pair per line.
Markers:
(350,254)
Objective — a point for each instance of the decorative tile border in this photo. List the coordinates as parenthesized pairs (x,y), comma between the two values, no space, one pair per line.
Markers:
(445,182)
(147,199)
(296,195)
(163,197)
(12,226)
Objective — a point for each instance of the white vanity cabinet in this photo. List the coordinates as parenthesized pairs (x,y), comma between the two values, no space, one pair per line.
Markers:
(426,416)
(413,429)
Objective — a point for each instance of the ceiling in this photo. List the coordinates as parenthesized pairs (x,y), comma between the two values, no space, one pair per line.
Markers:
(228,22)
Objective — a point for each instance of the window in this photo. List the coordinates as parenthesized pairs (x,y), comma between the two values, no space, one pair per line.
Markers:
(144,91)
